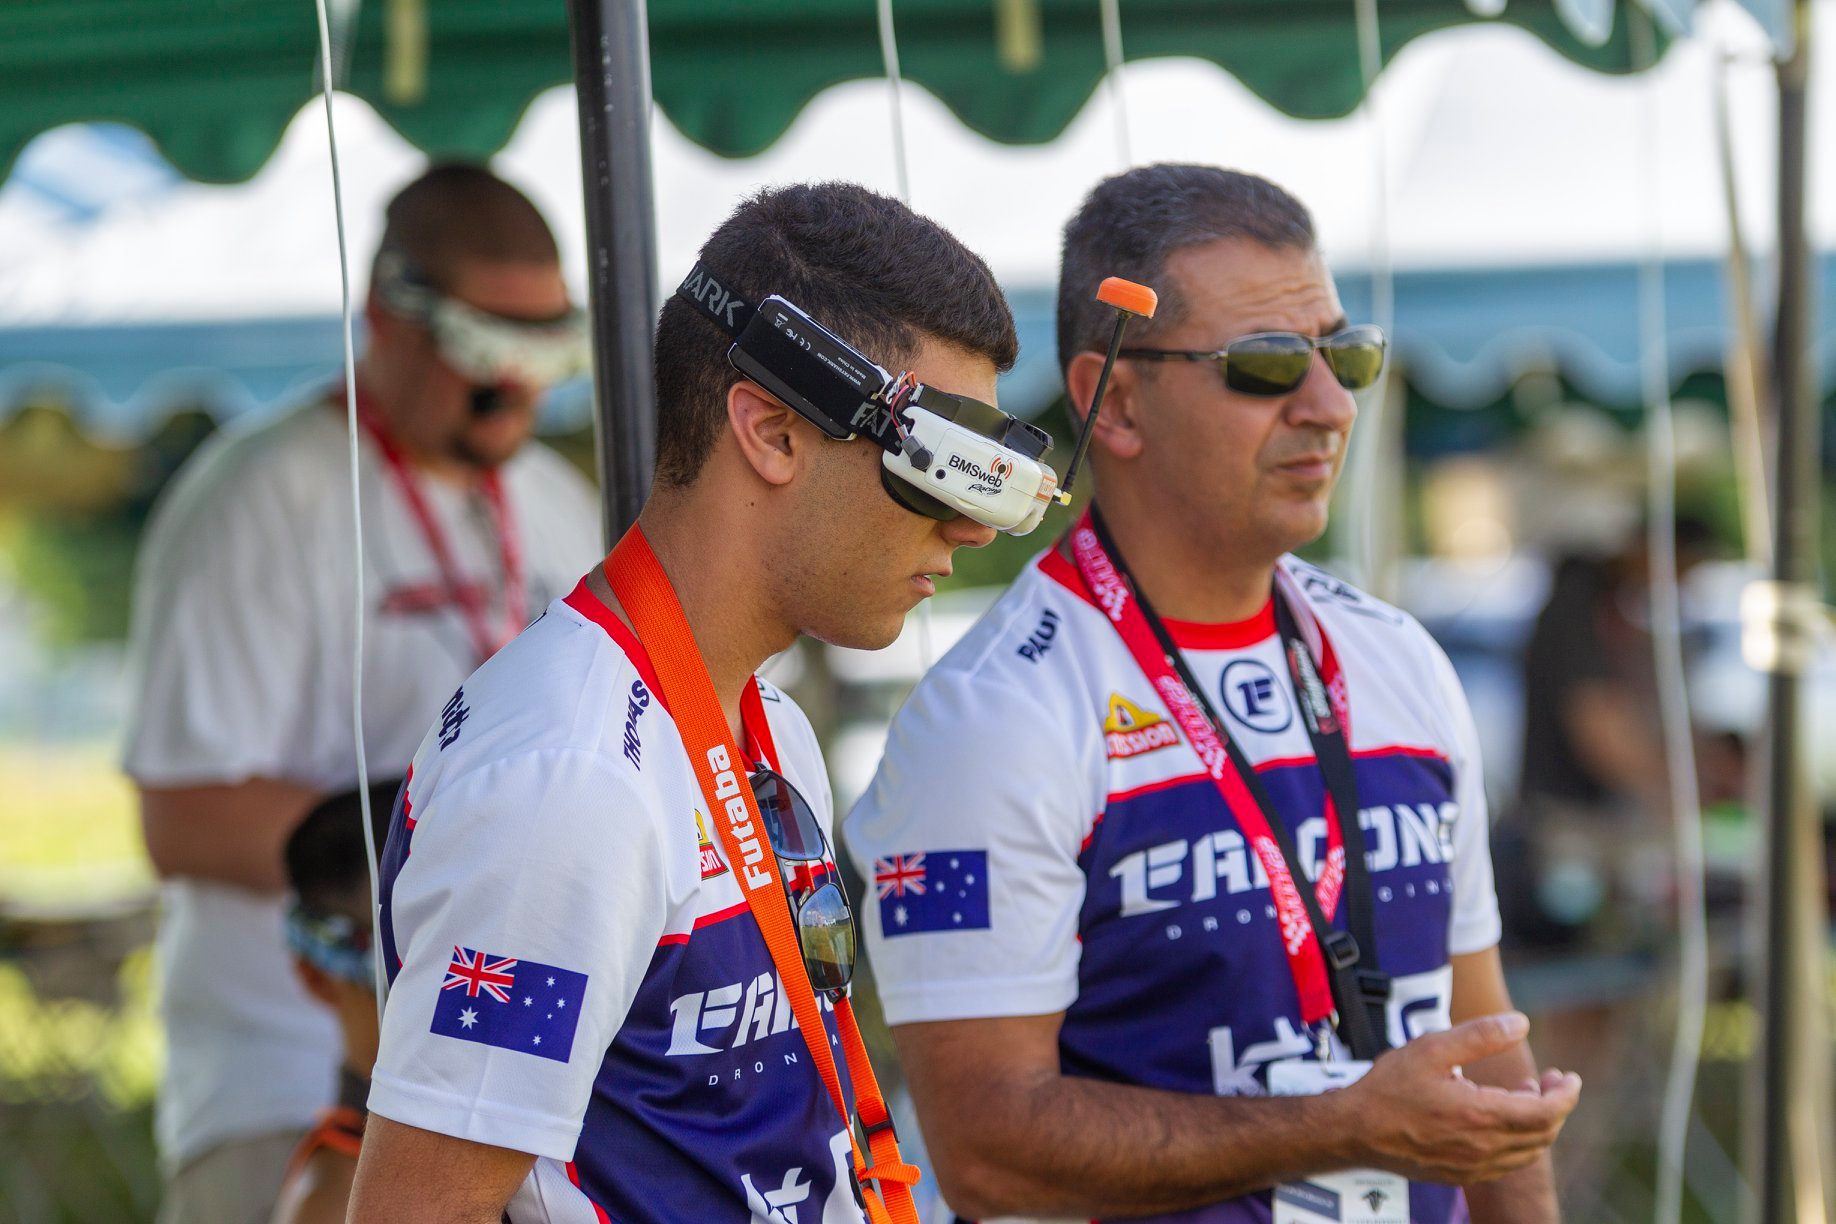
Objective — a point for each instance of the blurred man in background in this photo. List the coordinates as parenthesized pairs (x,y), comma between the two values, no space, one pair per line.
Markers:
(243,640)
(1592,827)
(330,936)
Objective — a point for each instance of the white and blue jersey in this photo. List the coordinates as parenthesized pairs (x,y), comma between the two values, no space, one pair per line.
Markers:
(575,972)
(1042,839)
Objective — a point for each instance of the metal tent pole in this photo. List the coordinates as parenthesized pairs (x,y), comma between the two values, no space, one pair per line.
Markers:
(611,45)
(1792,1115)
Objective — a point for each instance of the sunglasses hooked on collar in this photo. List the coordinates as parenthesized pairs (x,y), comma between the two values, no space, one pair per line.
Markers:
(1273,363)
(812,882)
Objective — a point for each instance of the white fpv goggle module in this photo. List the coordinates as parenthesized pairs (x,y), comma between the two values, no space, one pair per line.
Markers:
(944,454)
(489,350)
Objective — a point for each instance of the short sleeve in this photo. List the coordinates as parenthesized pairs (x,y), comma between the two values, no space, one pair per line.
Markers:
(1475,924)
(224,645)
(969,836)
(521,949)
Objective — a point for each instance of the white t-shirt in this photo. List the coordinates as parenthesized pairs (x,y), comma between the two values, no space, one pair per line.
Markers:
(242,641)
(576,972)
(1042,839)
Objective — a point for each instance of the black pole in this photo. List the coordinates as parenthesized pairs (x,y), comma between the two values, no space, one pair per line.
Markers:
(612,87)
(1791,1115)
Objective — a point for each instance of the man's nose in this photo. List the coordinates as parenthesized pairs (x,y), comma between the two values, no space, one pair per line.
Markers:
(1320,401)
(964,532)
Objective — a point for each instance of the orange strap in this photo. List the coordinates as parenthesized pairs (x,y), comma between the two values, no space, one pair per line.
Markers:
(339,1129)
(644,590)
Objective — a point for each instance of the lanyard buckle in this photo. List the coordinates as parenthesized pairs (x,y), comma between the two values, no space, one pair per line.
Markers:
(1342,952)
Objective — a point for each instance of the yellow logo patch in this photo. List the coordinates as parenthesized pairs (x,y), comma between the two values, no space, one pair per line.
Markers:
(711,865)
(1130,730)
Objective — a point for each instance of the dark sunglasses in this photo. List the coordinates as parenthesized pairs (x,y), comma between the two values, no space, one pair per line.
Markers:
(1275,363)
(812,883)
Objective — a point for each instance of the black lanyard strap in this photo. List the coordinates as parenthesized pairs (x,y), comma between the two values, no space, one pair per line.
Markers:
(1360,989)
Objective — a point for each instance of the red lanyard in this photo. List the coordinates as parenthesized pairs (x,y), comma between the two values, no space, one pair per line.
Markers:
(1112,593)
(473,604)
(644,590)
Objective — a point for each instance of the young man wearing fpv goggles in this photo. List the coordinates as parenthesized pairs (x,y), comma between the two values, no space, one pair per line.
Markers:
(1220,845)
(619,946)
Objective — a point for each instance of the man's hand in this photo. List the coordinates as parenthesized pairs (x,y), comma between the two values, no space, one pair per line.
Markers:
(1413,1113)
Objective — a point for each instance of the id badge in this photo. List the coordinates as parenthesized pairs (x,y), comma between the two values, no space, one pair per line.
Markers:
(1348,1196)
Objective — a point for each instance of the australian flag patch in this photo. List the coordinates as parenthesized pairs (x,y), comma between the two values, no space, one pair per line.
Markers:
(938,890)
(509,1003)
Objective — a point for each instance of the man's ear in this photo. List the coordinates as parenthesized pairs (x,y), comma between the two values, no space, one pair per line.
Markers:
(317,982)
(766,430)
(1118,424)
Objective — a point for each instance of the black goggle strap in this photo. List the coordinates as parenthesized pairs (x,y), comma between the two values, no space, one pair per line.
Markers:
(820,375)
(723,307)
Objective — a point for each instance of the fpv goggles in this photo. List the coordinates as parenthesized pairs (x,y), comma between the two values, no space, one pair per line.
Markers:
(487,349)
(945,454)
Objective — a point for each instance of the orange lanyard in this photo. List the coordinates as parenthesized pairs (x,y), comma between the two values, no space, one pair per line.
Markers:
(883,1179)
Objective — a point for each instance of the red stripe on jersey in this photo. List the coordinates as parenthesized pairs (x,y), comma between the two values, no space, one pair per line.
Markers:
(1150,787)
(682,937)
(1386,750)
(573,1175)
(1363,754)
(407,802)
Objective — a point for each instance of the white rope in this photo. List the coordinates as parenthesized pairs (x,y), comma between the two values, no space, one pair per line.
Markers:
(895,83)
(1667,657)
(1742,362)
(1112,77)
(1367,468)
(357,601)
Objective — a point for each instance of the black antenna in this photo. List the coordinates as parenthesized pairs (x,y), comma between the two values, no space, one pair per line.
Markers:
(1130,300)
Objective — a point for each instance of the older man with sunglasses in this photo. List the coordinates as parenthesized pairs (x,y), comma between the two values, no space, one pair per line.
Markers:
(1184,901)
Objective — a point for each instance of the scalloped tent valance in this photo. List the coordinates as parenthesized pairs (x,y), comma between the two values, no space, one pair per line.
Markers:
(216,84)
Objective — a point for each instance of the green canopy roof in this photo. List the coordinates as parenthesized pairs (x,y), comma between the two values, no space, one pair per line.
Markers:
(215,82)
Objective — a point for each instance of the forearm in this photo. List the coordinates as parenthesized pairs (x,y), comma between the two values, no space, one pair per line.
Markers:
(1527,1196)
(1063,1146)
(407,1175)
(227,834)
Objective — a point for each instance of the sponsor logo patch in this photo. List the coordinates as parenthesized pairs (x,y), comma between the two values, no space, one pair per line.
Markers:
(452,719)
(635,705)
(1255,697)
(1040,639)
(1130,730)
(711,865)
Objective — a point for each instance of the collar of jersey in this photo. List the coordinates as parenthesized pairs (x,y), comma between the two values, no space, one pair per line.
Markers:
(1192,635)
(584,601)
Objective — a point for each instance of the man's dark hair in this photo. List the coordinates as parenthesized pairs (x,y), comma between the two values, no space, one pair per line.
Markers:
(456,212)
(1133,221)
(862,264)
(325,854)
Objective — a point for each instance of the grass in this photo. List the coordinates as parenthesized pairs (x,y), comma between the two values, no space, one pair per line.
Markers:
(69,835)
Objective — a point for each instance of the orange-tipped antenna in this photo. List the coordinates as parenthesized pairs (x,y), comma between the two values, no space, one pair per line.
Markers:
(1127,295)
(1129,299)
